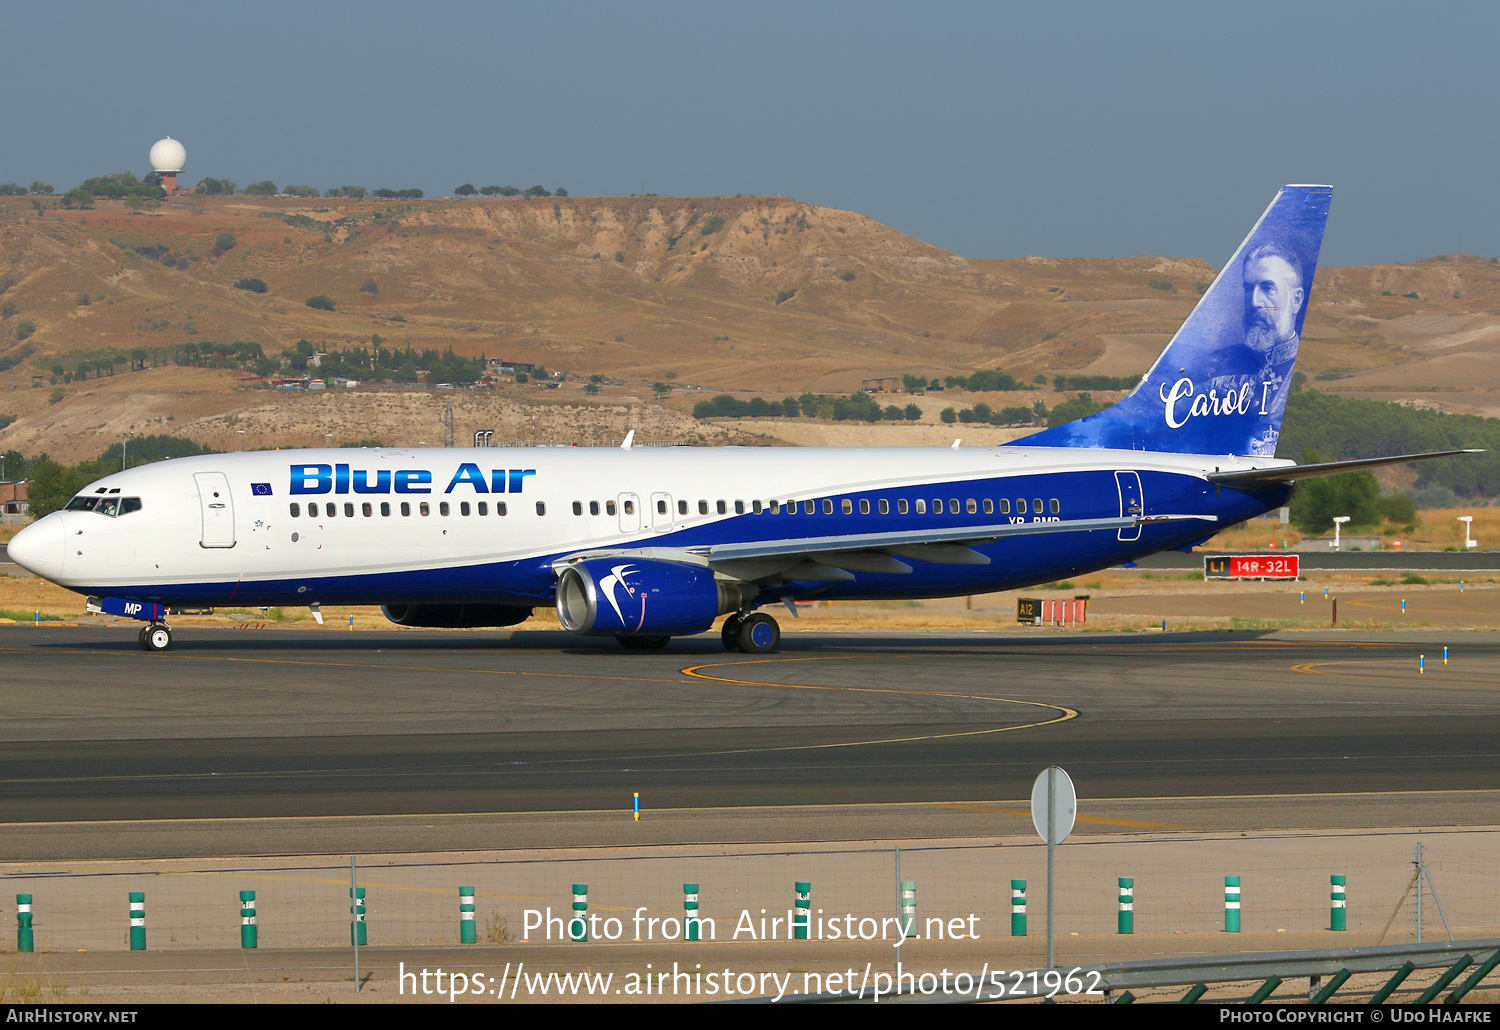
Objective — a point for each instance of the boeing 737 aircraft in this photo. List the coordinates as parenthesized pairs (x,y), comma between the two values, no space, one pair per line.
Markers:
(645,544)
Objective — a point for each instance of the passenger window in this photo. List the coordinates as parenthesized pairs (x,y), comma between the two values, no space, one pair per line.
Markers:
(484,507)
(330,510)
(593,507)
(921,506)
(755,507)
(775,507)
(937,505)
(971,506)
(385,509)
(1020,506)
(463,508)
(349,509)
(682,507)
(885,506)
(827,506)
(722,508)
(541,507)
(609,507)
(367,509)
(1054,507)
(499,507)
(864,506)
(425,509)
(953,505)
(405,509)
(809,507)
(443,508)
(577,507)
(629,507)
(989,506)
(296,510)
(902,507)
(702,507)
(1036,505)
(661,506)
(847,505)
(1005,506)
(739,507)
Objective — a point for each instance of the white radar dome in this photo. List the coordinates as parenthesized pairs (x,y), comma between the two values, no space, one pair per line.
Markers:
(167,155)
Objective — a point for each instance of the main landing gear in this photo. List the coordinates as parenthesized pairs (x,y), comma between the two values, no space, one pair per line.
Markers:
(156,636)
(751,633)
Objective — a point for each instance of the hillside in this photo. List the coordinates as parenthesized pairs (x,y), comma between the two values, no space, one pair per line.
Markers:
(745,294)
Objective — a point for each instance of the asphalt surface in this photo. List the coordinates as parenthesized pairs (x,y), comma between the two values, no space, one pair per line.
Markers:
(1347,561)
(268,724)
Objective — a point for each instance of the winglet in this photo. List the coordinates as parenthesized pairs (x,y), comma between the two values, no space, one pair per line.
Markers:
(629,439)
(957,442)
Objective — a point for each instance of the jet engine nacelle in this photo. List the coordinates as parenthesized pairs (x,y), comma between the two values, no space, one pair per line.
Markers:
(642,597)
(456,616)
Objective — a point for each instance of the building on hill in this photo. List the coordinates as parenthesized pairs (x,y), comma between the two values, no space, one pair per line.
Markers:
(13,499)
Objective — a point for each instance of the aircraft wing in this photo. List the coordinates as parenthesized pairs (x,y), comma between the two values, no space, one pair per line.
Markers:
(1291,473)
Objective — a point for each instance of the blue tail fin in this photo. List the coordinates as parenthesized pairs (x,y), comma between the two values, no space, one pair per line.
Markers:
(1221,385)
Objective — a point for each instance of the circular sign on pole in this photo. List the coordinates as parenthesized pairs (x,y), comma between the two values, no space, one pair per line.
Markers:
(1053,821)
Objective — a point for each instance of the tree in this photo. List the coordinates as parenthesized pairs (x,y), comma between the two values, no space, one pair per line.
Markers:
(264,188)
(912,413)
(217,187)
(489,191)
(81,199)
(591,389)
(8,309)
(52,485)
(355,192)
(949,416)
(10,189)
(383,194)
(300,191)
(508,191)
(40,187)
(538,191)
(322,302)
(224,242)
(559,192)
(466,190)
(24,329)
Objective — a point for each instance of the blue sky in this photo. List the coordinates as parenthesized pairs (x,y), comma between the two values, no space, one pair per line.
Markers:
(991,129)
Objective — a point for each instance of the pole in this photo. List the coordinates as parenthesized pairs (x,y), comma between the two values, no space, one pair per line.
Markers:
(137,920)
(248,933)
(1231,904)
(24,938)
(1126,920)
(1338,915)
(1018,908)
(1051,861)
(467,932)
(1418,864)
(353,930)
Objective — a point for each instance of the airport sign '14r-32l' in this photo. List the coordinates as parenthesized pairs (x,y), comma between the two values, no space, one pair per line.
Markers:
(1251,566)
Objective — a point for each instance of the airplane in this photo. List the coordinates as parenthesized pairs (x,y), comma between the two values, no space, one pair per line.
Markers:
(647,544)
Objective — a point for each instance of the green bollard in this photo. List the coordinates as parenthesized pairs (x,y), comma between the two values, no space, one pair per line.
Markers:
(1018,908)
(467,932)
(249,935)
(1127,905)
(803,909)
(357,917)
(137,920)
(691,928)
(24,939)
(908,908)
(578,924)
(1231,904)
(1338,915)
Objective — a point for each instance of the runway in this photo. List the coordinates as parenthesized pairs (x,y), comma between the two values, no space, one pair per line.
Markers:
(235,725)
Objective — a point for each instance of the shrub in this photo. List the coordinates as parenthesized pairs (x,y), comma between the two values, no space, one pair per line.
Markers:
(57,395)
(253,285)
(785,295)
(711,225)
(1162,284)
(223,243)
(322,302)
(264,188)
(24,329)
(848,277)
(370,286)
(1412,295)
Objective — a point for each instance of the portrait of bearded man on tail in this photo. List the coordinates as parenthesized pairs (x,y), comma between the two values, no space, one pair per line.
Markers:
(1274,296)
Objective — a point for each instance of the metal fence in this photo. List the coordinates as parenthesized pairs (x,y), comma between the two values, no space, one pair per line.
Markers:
(1178,888)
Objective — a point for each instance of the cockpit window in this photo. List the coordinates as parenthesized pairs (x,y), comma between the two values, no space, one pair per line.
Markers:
(107,506)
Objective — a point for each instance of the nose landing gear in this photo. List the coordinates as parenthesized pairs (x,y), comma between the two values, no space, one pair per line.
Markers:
(156,636)
(751,633)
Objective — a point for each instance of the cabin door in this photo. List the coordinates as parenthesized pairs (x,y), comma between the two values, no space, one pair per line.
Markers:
(1131,504)
(217,508)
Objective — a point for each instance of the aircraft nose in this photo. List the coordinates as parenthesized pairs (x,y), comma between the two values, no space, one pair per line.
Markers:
(39,548)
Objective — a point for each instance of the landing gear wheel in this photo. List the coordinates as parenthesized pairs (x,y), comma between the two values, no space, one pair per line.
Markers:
(730,634)
(643,643)
(141,638)
(156,637)
(759,634)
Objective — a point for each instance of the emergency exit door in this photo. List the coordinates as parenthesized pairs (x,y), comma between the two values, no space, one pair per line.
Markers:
(1131,504)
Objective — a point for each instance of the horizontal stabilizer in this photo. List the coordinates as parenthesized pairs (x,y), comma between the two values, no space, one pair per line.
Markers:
(1291,473)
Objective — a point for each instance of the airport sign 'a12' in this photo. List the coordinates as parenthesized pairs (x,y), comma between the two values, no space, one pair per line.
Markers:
(1251,566)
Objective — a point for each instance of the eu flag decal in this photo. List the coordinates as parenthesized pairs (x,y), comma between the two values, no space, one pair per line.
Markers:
(260,489)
